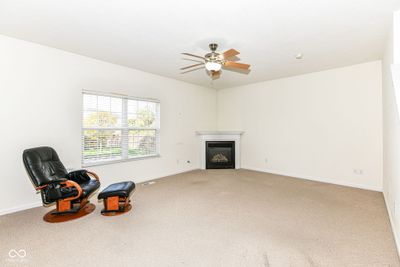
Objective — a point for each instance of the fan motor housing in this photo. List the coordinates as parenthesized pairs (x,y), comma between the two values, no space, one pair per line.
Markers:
(213,56)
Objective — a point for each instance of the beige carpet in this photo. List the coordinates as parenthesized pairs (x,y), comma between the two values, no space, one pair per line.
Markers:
(215,218)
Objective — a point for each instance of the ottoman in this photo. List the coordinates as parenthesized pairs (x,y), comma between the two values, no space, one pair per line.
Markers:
(116,198)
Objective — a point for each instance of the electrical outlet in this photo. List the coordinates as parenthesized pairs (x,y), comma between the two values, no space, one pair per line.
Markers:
(188,162)
(266,160)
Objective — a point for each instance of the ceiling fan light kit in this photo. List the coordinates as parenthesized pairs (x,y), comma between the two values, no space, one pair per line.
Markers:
(213,66)
(213,62)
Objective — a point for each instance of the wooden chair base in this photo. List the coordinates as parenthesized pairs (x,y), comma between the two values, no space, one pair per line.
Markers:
(53,217)
(115,213)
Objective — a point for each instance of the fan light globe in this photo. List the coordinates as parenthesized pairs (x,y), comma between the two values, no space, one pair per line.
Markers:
(213,66)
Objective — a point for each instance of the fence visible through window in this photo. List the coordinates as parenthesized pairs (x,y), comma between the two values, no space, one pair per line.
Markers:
(117,128)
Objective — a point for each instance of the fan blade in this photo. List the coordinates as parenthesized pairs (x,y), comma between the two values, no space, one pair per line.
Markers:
(191,66)
(193,60)
(231,64)
(187,54)
(186,71)
(230,53)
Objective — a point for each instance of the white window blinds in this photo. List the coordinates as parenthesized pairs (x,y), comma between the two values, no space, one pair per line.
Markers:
(118,128)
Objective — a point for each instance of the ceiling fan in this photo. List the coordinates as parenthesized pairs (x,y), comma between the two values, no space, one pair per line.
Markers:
(213,62)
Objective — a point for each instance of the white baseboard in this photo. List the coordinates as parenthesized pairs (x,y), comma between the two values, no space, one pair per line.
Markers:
(392,224)
(317,179)
(20,208)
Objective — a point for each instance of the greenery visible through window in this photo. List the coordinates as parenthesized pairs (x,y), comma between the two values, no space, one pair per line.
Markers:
(118,128)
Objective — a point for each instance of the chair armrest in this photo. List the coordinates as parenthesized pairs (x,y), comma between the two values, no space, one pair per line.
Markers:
(94,175)
(70,183)
(81,175)
(66,183)
(76,174)
(56,181)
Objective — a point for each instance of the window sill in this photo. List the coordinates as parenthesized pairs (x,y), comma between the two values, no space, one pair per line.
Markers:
(93,164)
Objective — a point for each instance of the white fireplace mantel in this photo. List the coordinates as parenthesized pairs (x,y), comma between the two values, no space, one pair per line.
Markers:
(219,136)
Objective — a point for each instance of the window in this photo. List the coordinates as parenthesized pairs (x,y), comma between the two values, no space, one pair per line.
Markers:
(118,128)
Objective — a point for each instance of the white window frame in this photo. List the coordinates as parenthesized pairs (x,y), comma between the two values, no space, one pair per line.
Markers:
(124,129)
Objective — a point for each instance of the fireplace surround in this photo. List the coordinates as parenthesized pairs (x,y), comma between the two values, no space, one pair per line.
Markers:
(219,136)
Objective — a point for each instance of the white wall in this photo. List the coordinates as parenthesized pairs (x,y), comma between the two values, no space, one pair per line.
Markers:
(391,133)
(41,101)
(394,40)
(318,126)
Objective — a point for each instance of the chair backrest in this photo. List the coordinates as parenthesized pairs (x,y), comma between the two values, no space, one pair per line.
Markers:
(43,165)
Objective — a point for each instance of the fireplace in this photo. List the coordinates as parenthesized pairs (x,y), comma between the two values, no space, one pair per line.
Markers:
(232,137)
(220,154)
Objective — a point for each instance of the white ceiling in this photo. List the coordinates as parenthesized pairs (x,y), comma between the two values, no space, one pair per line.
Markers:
(150,35)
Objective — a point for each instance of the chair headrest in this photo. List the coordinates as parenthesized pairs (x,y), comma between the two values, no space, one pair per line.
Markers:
(43,165)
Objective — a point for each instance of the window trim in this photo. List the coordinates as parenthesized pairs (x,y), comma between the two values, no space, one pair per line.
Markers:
(127,97)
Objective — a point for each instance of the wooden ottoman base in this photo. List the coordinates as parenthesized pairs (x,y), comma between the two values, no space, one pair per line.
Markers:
(116,206)
(116,198)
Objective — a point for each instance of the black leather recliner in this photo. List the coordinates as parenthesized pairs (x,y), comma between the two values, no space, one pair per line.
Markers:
(70,190)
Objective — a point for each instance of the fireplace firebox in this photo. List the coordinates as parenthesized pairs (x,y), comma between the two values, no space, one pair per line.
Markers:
(220,154)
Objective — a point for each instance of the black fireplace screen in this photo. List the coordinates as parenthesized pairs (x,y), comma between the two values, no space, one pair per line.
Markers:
(220,155)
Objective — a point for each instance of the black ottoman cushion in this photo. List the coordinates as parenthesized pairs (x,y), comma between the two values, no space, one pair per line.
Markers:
(122,189)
